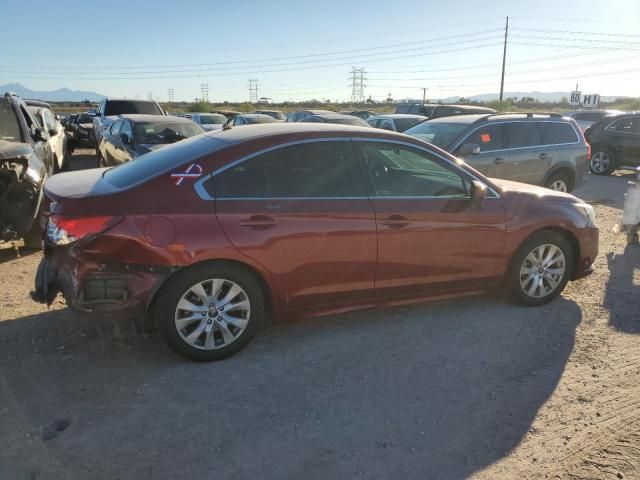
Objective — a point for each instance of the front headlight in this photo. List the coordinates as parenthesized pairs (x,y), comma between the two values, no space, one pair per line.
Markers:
(588,212)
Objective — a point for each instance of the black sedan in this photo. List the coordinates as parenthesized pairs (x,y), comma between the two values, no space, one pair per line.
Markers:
(133,135)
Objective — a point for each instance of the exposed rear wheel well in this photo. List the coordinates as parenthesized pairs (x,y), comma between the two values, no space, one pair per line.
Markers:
(147,323)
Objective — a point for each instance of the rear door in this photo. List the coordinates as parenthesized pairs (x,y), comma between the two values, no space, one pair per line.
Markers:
(429,239)
(300,211)
(528,159)
(492,160)
(625,136)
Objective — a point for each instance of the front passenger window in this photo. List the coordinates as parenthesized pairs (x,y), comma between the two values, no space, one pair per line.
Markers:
(400,171)
(489,138)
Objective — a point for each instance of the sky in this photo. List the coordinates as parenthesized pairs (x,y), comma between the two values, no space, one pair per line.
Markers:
(305,49)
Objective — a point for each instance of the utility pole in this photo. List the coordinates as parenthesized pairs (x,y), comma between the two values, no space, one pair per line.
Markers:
(253,90)
(504,57)
(204,90)
(357,85)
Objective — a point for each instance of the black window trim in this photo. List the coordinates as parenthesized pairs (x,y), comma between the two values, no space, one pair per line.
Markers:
(577,142)
(630,117)
(204,194)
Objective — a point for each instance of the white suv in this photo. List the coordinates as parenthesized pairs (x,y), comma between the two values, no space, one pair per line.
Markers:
(57,135)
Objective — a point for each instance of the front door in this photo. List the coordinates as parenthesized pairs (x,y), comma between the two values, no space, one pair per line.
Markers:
(430,240)
(300,212)
(492,159)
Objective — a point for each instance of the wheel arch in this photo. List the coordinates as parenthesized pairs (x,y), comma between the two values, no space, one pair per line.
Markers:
(269,294)
(568,236)
(564,169)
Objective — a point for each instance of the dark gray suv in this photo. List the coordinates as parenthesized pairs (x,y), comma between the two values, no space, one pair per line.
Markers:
(541,149)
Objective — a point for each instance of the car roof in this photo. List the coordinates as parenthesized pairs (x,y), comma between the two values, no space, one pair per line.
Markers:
(314,112)
(38,103)
(332,115)
(398,115)
(490,117)
(139,117)
(110,99)
(303,130)
(253,115)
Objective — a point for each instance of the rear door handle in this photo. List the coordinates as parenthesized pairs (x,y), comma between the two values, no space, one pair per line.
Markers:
(259,222)
(498,160)
(395,221)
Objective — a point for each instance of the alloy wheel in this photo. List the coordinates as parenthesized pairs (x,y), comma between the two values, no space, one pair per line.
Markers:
(542,271)
(559,186)
(212,314)
(600,162)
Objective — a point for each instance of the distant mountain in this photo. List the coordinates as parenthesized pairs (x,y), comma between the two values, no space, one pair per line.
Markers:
(59,95)
(539,96)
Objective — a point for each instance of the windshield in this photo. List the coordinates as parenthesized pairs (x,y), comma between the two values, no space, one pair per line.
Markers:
(212,119)
(165,132)
(261,119)
(9,127)
(120,107)
(403,124)
(440,134)
(85,119)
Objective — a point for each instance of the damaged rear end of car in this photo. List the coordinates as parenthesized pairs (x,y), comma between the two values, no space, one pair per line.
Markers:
(22,175)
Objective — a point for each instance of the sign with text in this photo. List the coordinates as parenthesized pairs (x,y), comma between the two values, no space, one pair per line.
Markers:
(575,98)
(591,100)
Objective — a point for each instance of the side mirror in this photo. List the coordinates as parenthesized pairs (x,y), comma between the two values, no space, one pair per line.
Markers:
(53,131)
(469,149)
(478,194)
(40,134)
(126,139)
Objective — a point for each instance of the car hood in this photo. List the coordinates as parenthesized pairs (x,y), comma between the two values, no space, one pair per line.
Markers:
(509,188)
(10,150)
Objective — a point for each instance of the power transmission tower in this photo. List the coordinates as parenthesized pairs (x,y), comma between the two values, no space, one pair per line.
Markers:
(204,89)
(504,57)
(170,95)
(357,85)
(253,90)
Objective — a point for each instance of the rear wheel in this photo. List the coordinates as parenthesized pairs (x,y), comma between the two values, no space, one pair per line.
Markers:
(210,312)
(603,161)
(559,182)
(540,269)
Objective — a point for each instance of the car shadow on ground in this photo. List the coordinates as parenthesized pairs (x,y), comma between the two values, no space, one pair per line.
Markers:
(624,278)
(14,250)
(432,391)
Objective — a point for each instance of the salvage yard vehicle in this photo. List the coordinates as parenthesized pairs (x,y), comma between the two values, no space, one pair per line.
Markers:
(208,121)
(396,122)
(57,135)
(81,132)
(336,118)
(586,118)
(302,114)
(110,108)
(437,110)
(615,142)
(277,114)
(25,163)
(211,236)
(541,149)
(250,119)
(133,135)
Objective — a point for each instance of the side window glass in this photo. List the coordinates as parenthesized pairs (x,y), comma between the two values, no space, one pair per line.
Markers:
(386,125)
(29,119)
(624,125)
(319,169)
(489,137)
(398,171)
(523,134)
(557,133)
(49,120)
(126,128)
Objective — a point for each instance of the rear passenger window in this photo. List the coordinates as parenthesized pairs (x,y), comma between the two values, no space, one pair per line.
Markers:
(624,125)
(319,169)
(523,134)
(555,133)
(489,137)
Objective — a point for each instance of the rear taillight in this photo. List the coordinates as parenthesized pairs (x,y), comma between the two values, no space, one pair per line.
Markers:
(64,230)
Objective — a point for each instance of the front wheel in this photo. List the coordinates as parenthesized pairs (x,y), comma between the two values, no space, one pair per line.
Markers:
(210,312)
(540,269)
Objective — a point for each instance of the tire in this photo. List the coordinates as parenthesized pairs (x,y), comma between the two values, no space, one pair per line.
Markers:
(33,238)
(559,182)
(522,286)
(603,161)
(218,337)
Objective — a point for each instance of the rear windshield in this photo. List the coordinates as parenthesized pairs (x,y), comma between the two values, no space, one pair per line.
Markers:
(121,107)
(161,161)
(213,119)
(441,134)
(9,127)
(403,124)
(165,132)
(265,119)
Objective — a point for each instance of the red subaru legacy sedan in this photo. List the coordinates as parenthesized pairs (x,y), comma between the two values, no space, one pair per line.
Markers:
(212,235)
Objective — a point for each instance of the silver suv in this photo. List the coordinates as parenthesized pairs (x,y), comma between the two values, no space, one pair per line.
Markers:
(541,149)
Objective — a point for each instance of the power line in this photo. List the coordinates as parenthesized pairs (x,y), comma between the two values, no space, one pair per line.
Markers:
(570,32)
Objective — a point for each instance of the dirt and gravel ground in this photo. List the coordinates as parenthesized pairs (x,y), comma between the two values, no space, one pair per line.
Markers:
(466,388)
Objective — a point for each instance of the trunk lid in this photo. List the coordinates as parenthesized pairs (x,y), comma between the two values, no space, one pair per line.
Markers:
(82,183)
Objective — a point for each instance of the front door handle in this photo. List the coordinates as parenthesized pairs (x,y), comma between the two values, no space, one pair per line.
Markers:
(543,156)
(498,160)
(259,222)
(395,221)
